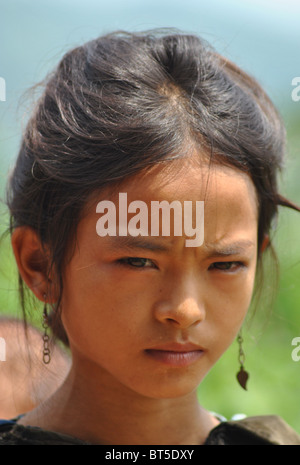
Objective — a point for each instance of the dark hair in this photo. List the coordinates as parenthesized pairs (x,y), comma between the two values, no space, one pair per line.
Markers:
(123,102)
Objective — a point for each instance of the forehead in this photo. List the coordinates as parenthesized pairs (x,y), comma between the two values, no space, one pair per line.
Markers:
(189,176)
(229,195)
(192,177)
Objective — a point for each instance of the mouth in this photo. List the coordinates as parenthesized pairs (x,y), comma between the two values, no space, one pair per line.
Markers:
(176,355)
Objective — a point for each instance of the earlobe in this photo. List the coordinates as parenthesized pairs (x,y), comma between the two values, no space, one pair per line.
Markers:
(265,243)
(32,260)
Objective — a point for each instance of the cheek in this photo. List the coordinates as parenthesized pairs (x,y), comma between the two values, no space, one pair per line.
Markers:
(98,311)
(227,311)
(232,297)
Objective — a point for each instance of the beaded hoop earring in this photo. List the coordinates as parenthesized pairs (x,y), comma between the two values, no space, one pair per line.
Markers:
(46,339)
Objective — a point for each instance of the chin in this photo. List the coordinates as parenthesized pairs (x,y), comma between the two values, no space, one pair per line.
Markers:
(170,389)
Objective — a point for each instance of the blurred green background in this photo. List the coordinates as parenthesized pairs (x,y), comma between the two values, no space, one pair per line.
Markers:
(264,38)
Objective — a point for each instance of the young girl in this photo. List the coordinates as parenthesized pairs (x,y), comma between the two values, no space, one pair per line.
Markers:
(141,204)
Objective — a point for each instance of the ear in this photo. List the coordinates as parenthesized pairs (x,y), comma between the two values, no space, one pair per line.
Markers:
(265,243)
(33,263)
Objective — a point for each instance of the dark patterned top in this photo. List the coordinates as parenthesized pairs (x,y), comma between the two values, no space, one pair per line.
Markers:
(260,430)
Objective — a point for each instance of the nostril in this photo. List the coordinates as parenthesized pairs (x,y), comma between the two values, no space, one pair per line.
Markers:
(172,320)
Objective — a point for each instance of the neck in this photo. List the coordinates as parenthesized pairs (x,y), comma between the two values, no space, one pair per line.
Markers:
(99,410)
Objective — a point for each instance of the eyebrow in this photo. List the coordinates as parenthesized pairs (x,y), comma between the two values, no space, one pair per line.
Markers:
(212,249)
(225,250)
(139,242)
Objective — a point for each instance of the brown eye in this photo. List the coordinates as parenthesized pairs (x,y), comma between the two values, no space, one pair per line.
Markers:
(227,266)
(137,262)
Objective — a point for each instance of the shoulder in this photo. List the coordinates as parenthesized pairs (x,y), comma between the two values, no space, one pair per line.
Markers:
(11,433)
(258,430)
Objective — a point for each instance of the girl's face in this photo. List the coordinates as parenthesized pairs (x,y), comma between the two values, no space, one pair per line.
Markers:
(149,313)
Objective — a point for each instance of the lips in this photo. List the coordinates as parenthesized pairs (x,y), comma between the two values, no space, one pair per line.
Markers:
(176,354)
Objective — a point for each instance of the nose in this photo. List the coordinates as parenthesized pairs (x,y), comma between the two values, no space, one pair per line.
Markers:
(180,305)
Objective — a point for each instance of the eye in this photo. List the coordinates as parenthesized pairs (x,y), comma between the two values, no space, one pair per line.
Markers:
(227,266)
(137,262)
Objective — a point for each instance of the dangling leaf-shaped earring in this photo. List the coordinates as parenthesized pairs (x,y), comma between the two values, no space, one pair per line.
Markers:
(242,375)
